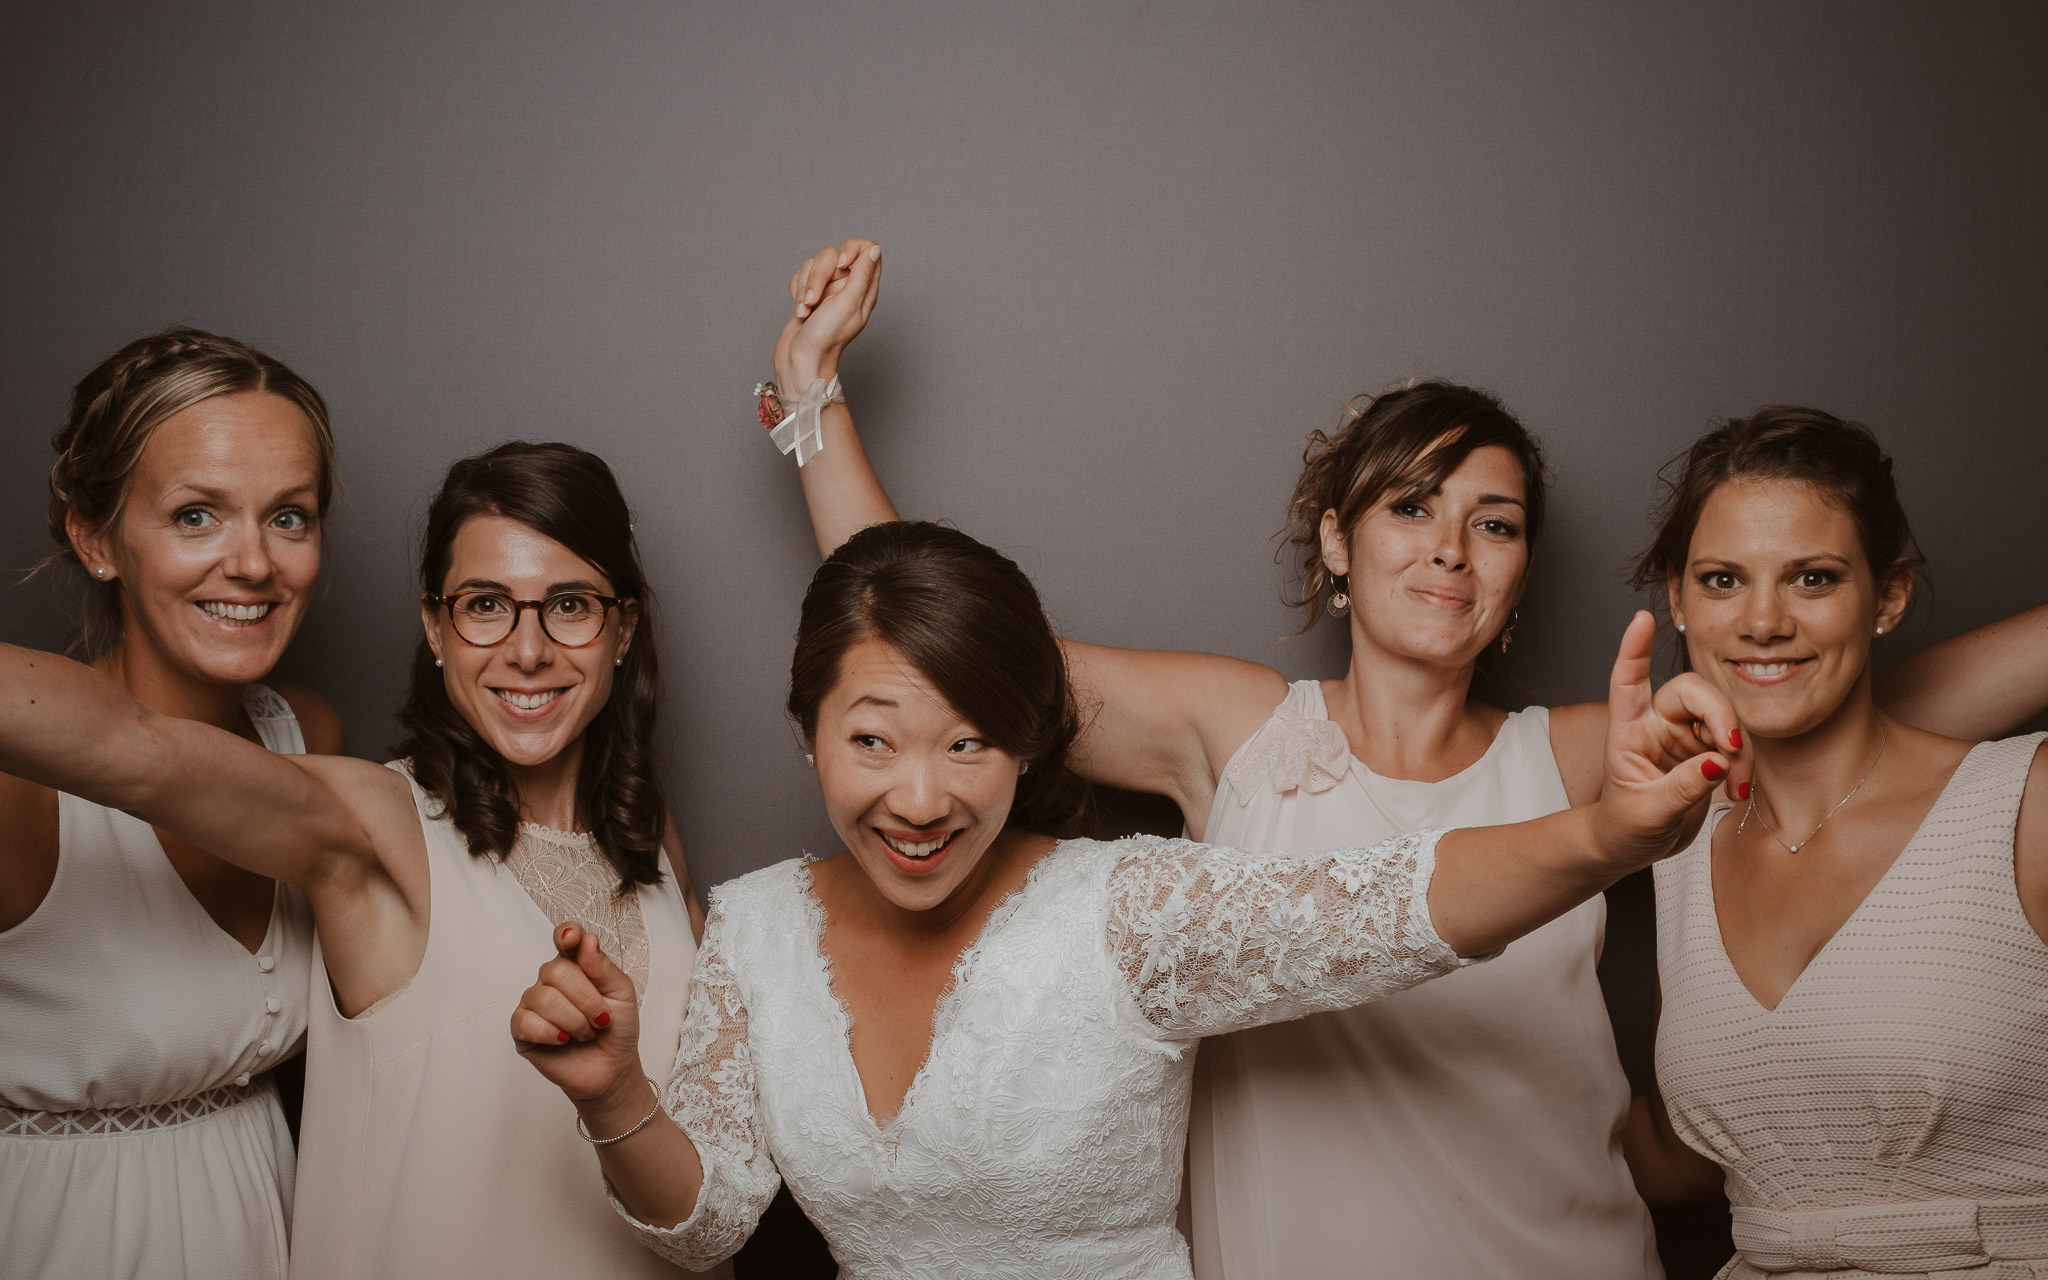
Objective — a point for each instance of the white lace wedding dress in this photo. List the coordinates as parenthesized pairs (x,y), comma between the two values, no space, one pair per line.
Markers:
(1043,1135)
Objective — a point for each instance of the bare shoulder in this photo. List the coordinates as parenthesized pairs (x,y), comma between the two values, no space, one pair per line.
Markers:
(319,723)
(1578,739)
(2030,844)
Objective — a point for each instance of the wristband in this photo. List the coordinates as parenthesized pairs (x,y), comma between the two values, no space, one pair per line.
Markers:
(797,426)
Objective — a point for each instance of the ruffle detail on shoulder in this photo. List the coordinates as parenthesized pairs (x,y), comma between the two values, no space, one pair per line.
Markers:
(1288,752)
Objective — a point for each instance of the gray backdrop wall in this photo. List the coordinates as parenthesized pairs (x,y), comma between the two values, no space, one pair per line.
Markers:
(1135,252)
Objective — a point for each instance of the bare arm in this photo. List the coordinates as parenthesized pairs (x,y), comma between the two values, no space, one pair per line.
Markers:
(1666,1171)
(1981,684)
(1158,721)
(344,830)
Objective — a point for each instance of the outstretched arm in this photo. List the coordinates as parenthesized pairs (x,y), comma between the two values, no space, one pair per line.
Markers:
(1158,721)
(1214,940)
(70,728)
(1984,683)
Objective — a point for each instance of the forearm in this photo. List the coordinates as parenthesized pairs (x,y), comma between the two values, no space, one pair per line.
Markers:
(1495,884)
(1983,683)
(656,1173)
(68,727)
(841,489)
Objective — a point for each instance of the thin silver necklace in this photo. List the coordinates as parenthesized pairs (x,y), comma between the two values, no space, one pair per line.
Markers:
(1882,743)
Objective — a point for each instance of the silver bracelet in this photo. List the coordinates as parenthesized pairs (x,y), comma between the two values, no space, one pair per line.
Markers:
(584,1133)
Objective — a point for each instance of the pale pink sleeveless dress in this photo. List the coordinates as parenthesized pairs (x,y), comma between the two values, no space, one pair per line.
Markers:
(1467,1129)
(429,1146)
(139,1134)
(1890,1116)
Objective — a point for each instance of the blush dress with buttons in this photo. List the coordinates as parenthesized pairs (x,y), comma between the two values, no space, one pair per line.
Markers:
(140,1135)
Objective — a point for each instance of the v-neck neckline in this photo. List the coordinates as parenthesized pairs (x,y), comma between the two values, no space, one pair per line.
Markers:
(944,1014)
(1870,895)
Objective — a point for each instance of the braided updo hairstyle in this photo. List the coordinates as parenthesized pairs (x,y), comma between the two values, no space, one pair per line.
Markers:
(1403,442)
(114,411)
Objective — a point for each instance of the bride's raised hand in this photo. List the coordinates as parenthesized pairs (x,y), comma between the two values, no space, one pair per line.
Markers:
(834,293)
(579,1024)
(1666,752)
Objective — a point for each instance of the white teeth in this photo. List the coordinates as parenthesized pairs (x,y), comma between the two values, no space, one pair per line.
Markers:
(924,849)
(528,701)
(1764,670)
(234,612)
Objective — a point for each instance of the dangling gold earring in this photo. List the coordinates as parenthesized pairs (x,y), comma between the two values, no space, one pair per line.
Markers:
(1507,634)
(1339,600)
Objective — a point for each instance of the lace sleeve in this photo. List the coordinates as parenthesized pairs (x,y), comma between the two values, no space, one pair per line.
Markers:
(1212,940)
(711,1096)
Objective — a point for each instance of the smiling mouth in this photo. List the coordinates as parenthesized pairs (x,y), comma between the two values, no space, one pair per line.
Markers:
(1768,672)
(1442,599)
(235,614)
(527,701)
(918,850)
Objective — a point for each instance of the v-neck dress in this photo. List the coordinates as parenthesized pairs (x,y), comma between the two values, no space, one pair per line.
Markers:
(1042,1136)
(1469,1128)
(1890,1116)
(139,1134)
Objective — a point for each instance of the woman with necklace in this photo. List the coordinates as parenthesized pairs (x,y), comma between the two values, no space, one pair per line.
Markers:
(1854,1027)
(1470,1127)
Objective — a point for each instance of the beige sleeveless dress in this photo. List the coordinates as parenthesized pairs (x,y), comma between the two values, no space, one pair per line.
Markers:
(429,1146)
(139,1135)
(1890,1117)
(1465,1130)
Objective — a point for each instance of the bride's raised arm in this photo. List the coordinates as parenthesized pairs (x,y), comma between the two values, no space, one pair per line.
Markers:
(1213,940)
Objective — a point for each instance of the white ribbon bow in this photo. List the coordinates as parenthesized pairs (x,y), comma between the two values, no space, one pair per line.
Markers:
(802,428)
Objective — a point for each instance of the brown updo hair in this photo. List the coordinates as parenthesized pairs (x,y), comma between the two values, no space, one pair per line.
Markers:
(570,495)
(114,411)
(969,621)
(1401,443)
(1840,459)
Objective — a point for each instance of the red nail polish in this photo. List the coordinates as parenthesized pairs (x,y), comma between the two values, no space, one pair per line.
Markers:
(565,1037)
(1742,789)
(1735,739)
(1713,770)
(603,1019)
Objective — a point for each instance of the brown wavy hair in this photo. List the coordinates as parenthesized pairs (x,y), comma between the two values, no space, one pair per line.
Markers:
(1403,442)
(115,410)
(1839,458)
(570,495)
(969,620)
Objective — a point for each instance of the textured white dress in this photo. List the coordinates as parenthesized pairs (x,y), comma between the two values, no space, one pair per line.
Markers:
(1466,1129)
(429,1146)
(1890,1117)
(139,1135)
(1042,1137)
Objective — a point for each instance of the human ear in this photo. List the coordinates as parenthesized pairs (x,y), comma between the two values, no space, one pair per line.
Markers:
(629,621)
(1336,551)
(90,545)
(1671,594)
(1894,594)
(430,622)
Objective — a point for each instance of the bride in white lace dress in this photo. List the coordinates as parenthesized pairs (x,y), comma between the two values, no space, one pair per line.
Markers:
(966,1046)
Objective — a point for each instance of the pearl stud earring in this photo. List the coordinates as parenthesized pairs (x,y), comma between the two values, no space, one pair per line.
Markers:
(100,572)
(1681,628)
(1880,631)
(437,662)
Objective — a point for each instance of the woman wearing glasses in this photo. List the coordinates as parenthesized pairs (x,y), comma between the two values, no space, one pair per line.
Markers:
(525,798)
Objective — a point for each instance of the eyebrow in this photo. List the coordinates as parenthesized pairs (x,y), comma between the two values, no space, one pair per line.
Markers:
(1501,500)
(872,700)
(556,588)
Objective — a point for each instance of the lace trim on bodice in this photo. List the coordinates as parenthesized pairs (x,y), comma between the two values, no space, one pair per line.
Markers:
(97,1122)
(1055,1079)
(1290,751)
(569,879)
